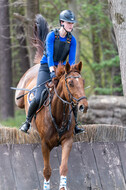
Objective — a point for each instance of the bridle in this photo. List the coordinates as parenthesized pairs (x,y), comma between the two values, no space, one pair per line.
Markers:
(65,124)
(71,97)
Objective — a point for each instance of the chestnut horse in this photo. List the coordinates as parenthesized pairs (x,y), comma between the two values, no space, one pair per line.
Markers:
(55,121)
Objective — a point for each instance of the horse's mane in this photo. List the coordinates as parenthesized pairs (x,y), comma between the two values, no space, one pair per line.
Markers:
(60,70)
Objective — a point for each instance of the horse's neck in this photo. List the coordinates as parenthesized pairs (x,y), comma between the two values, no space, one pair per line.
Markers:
(57,105)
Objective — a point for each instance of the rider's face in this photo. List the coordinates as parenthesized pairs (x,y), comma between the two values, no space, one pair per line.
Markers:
(68,26)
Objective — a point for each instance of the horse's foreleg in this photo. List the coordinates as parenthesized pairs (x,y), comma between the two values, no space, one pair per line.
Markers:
(66,148)
(47,168)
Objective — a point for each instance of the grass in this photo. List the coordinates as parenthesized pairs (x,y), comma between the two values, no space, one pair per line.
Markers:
(19,118)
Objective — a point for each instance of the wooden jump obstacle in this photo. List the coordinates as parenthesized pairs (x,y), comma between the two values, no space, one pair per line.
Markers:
(97,160)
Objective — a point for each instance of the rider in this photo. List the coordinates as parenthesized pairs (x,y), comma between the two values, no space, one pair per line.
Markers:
(59,44)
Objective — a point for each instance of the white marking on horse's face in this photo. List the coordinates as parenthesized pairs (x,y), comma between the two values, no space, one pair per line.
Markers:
(77,79)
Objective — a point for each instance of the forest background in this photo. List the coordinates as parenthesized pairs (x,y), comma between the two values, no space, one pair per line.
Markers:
(96,45)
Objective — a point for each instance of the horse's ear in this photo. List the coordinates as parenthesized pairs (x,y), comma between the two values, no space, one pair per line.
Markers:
(67,67)
(79,66)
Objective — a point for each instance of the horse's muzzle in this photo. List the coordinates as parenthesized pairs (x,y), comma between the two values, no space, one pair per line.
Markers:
(83,107)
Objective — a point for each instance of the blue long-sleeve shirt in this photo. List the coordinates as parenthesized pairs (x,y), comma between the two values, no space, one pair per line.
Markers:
(50,50)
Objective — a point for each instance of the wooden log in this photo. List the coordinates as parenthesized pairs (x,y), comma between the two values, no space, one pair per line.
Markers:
(105,110)
(105,102)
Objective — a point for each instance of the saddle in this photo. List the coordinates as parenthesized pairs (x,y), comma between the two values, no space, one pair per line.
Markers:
(43,98)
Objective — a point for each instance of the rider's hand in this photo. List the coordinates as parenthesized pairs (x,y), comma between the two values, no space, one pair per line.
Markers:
(52,74)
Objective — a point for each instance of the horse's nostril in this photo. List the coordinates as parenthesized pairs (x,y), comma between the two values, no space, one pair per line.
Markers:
(81,108)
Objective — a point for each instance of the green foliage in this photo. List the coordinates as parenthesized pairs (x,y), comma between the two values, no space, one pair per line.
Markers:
(51,10)
(106,63)
(96,32)
(106,66)
(16,121)
(103,91)
(108,91)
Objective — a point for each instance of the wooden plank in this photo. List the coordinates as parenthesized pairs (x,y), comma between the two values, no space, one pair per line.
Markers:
(109,166)
(99,166)
(54,180)
(24,168)
(54,161)
(7,181)
(122,151)
(75,169)
(76,173)
(39,163)
(92,179)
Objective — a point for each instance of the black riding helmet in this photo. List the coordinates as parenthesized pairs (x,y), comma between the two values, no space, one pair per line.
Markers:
(67,16)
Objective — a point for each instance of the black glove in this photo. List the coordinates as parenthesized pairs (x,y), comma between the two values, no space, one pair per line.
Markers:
(52,74)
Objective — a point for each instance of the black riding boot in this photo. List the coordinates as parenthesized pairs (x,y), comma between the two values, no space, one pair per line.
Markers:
(76,129)
(31,111)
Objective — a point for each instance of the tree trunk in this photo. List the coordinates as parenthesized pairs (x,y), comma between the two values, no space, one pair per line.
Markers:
(118,14)
(73,7)
(7,106)
(20,58)
(32,8)
(23,53)
(95,43)
(106,43)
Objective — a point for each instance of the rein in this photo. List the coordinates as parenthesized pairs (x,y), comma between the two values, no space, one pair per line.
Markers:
(64,101)
(65,124)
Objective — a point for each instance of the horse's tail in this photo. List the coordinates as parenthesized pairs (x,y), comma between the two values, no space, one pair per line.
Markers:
(41,30)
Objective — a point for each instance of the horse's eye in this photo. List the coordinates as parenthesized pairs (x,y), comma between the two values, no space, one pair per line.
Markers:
(71,83)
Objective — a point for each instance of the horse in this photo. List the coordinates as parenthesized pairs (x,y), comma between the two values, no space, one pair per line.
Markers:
(55,120)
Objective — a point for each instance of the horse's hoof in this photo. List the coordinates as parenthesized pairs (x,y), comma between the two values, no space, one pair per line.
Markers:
(63,188)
